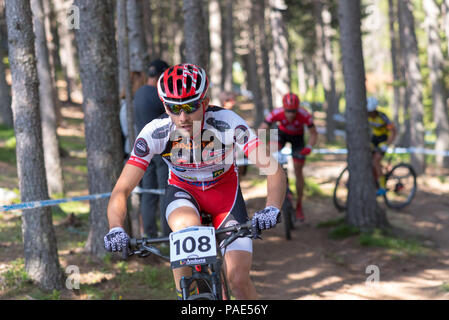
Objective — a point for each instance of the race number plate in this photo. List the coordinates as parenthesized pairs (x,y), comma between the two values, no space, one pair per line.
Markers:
(192,246)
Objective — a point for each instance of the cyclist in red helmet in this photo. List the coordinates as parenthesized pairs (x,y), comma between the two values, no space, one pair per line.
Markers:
(291,120)
(199,142)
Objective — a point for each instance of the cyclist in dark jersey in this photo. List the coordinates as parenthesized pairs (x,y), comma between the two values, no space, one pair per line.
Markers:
(291,120)
(199,143)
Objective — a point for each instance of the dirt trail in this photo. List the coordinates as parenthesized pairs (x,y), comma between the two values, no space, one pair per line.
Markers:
(312,266)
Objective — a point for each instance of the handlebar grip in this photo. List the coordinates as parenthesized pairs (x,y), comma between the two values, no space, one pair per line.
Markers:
(279,217)
(133,242)
(125,251)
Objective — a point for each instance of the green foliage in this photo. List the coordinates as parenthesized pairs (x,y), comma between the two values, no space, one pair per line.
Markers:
(379,238)
(7,145)
(445,286)
(72,143)
(11,230)
(312,189)
(343,231)
(15,277)
(5,132)
(331,223)
(92,292)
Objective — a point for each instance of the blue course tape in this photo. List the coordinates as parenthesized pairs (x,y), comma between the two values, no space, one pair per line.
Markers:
(47,203)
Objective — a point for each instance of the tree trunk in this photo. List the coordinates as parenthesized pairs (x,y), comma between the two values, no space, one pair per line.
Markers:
(228,45)
(148,27)
(323,32)
(254,79)
(446,22)
(215,69)
(52,158)
(394,62)
(41,254)
(124,62)
(436,67)
(195,37)
(137,45)
(414,82)
(404,129)
(363,211)
(280,76)
(52,54)
(67,48)
(263,53)
(98,64)
(5,95)
(302,78)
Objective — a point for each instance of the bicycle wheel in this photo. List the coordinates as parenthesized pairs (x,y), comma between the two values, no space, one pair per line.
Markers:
(400,183)
(287,212)
(291,209)
(340,196)
(202,296)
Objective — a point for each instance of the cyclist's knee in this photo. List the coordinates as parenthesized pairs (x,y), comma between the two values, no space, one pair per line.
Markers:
(377,157)
(182,218)
(238,264)
(239,280)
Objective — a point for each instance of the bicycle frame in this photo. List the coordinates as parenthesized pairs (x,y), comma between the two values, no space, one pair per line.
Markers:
(210,273)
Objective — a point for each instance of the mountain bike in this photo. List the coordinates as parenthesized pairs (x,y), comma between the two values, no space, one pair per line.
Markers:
(288,210)
(400,185)
(197,247)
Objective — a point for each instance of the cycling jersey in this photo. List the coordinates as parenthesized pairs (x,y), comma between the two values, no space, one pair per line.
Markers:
(297,143)
(202,171)
(296,127)
(199,162)
(380,124)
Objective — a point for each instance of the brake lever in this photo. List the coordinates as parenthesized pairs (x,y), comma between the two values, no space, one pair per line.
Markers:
(238,234)
(255,232)
(153,250)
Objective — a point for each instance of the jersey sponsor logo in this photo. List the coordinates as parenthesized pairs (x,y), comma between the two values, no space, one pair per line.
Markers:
(179,169)
(141,148)
(200,183)
(188,177)
(161,132)
(217,173)
(209,156)
(241,134)
(218,124)
(181,194)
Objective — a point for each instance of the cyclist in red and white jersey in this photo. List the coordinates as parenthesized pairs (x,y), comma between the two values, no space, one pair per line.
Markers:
(291,120)
(199,143)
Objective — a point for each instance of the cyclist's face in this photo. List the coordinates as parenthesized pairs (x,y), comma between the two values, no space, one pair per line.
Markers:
(184,121)
(290,114)
(372,114)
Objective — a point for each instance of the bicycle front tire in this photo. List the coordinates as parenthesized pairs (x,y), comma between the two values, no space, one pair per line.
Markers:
(287,212)
(340,196)
(202,296)
(401,186)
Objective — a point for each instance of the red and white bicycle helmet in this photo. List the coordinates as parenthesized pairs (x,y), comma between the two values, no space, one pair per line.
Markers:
(290,101)
(182,83)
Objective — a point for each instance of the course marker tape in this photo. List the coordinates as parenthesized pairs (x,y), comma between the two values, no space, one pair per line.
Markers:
(46,203)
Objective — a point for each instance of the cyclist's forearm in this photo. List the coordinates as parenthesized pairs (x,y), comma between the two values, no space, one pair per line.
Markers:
(391,136)
(276,186)
(313,137)
(117,210)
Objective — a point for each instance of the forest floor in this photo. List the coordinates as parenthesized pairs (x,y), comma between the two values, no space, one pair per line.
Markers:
(322,261)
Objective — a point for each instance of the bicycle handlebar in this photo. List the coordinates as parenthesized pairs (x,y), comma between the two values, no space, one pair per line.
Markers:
(145,248)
